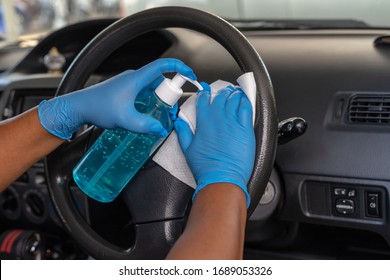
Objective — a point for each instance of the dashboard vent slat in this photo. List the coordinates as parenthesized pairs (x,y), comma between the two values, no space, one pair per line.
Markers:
(369,109)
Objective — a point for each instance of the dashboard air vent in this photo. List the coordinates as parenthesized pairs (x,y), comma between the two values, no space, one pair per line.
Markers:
(369,109)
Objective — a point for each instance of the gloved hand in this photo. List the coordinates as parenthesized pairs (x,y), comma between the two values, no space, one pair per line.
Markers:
(109,104)
(223,146)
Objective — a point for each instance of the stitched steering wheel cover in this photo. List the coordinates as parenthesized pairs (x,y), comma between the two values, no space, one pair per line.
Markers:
(94,54)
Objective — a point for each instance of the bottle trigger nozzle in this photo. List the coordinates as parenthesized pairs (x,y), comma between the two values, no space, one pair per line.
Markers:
(171,90)
(195,83)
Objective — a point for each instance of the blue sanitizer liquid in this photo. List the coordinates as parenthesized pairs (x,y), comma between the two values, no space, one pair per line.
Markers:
(118,154)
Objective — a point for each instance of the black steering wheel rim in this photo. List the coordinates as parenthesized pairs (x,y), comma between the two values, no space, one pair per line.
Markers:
(94,54)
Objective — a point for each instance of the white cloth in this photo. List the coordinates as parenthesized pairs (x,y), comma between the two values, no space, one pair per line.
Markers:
(170,156)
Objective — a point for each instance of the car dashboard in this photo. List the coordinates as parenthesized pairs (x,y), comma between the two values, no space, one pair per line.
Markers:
(328,196)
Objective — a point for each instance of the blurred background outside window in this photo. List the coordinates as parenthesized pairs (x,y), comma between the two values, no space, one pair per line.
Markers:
(22,17)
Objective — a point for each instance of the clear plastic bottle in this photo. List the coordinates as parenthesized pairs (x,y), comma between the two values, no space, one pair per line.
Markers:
(118,154)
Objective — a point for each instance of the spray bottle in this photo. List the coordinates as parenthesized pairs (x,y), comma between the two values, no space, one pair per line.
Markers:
(117,155)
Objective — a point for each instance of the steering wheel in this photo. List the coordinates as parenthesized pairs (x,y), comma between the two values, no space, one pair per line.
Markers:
(157,201)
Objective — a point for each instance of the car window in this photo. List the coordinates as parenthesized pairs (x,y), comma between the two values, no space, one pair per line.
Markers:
(19,17)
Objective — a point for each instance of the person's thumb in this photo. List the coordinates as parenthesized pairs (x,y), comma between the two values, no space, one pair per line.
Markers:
(173,112)
(153,70)
(184,134)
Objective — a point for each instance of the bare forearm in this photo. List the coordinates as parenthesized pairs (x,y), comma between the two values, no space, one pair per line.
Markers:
(216,226)
(23,141)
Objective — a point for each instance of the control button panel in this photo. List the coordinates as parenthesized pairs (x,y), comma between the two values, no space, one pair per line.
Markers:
(357,201)
(343,200)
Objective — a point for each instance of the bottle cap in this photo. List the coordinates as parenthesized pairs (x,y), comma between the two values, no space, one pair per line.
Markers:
(170,91)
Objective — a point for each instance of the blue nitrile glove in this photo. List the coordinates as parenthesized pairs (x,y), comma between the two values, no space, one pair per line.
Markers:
(109,104)
(223,146)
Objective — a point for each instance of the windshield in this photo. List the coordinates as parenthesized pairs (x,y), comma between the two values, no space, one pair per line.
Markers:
(18,17)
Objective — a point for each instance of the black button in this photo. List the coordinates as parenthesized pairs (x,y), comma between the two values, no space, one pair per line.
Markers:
(288,126)
(373,205)
(345,206)
(351,193)
(340,191)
